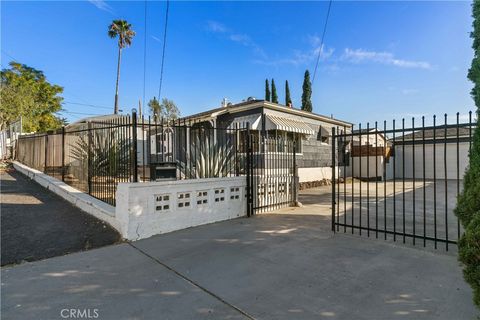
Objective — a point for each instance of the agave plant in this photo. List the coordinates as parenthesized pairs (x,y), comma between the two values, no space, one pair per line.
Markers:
(208,159)
(109,154)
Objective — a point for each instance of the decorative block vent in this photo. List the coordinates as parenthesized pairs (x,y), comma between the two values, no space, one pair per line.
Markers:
(220,195)
(183,200)
(162,202)
(282,187)
(235,193)
(202,198)
(261,189)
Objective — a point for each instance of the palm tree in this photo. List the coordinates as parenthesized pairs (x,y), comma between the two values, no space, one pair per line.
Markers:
(122,30)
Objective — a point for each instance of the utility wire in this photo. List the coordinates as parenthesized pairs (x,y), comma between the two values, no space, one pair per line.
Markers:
(83,113)
(144,57)
(87,105)
(163,51)
(323,38)
(10,56)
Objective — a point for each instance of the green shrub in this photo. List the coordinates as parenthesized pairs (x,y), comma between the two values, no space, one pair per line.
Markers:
(469,255)
(468,202)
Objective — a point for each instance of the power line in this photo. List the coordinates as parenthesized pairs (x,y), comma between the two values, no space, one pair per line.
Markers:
(163,51)
(82,113)
(321,44)
(88,105)
(10,56)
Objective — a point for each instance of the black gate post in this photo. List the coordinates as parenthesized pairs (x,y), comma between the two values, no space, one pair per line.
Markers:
(46,153)
(134,144)
(295,174)
(63,154)
(89,158)
(249,173)
(333,178)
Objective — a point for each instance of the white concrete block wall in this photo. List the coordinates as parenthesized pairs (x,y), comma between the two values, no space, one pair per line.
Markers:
(146,209)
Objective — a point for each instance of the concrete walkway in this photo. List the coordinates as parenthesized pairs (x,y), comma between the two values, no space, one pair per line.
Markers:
(266,267)
(37,224)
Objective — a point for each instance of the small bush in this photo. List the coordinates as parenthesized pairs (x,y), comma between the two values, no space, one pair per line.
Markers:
(469,255)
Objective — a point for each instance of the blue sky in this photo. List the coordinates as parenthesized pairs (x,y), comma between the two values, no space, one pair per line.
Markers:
(380,60)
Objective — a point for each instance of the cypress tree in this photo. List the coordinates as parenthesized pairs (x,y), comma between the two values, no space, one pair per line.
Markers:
(288,100)
(307,93)
(267,90)
(274,92)
(468,202)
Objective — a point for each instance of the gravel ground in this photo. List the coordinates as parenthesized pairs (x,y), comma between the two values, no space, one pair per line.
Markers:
(37,224)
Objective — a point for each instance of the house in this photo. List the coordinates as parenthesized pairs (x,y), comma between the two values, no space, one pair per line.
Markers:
(311,132)
(368,154)
(425,153)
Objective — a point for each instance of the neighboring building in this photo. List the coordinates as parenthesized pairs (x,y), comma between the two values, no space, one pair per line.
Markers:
(311,132)
(411,148)
(369,153)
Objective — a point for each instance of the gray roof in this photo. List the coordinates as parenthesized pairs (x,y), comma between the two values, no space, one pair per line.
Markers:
(266,104)
(439,133)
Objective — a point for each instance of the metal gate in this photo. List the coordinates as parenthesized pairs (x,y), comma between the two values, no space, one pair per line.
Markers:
(271,172)
(401,182)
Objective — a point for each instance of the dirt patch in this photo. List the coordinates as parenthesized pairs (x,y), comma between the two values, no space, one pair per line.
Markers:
(37,224)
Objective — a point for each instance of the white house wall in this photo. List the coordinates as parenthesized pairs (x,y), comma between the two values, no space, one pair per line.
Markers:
(429,161)
(366,167)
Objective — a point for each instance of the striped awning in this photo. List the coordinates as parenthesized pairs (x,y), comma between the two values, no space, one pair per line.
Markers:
(289,125)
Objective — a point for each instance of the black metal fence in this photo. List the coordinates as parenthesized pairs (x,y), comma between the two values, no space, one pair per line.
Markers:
(272,180)
(95,156)
(401,181)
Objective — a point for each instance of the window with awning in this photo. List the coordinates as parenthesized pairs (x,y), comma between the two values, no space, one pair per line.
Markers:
(285,124)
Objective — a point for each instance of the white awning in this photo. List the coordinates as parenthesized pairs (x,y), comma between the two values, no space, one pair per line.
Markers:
(289,125)
(241,122)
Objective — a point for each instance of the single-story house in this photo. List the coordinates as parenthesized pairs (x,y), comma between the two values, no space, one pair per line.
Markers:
(311,132)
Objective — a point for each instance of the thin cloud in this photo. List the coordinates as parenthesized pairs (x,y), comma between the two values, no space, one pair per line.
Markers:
(242,39)
(102,5)
(156,39)
(360,55)
(217,27)
(302,57)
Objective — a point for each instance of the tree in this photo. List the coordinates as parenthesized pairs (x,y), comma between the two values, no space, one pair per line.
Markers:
(122,30)
(25,92)
(307,93)
(468,202)
(267,90)
(167,110)
(288,100)
(274,92)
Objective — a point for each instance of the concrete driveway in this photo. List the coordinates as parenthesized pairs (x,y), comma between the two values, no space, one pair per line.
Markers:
(266,267)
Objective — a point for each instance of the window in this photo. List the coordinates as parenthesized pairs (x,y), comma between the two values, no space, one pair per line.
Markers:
(255,139)
(323,135)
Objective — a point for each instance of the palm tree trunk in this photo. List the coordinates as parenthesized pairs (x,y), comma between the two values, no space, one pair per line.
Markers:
(115,111)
